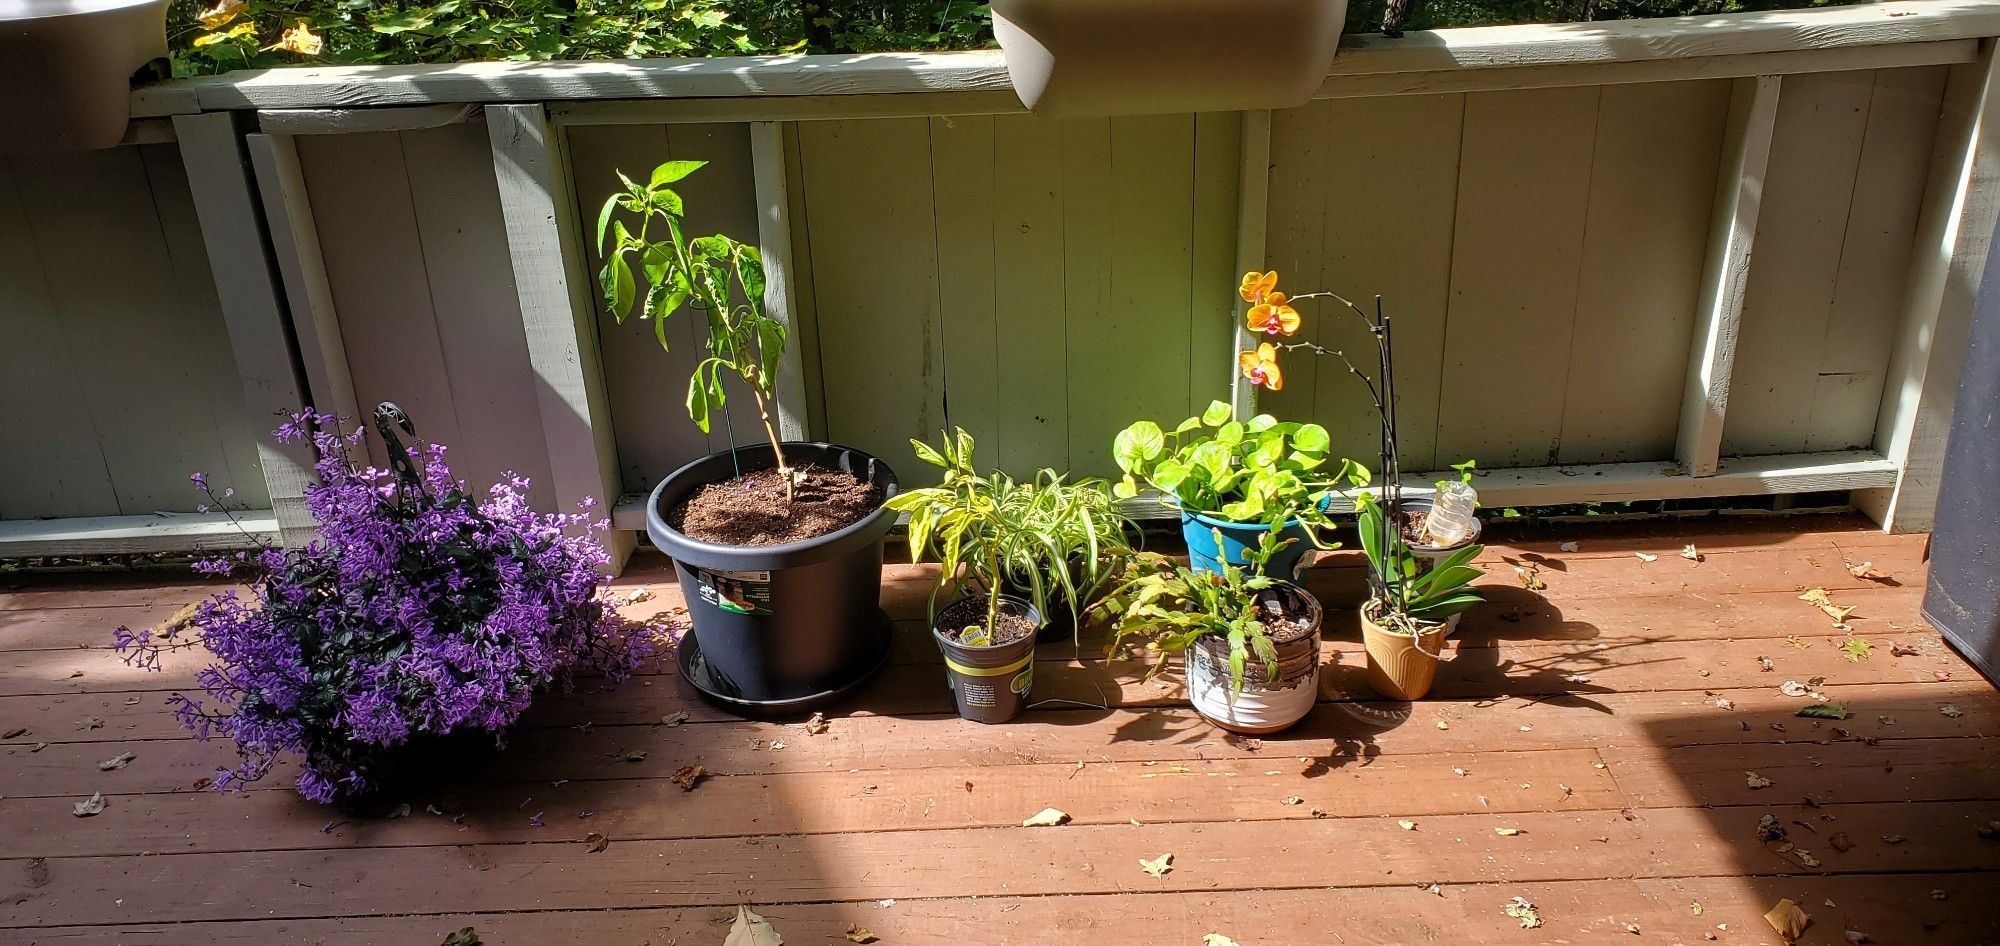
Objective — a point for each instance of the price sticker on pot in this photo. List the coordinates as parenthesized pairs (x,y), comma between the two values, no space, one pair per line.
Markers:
(736,592)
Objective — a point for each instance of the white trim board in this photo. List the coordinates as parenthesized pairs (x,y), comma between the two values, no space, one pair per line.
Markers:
(118,535)
(1370,58)
(1558,485)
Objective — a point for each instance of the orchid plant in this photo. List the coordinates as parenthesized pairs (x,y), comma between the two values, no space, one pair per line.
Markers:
(718,276)
(1402,594)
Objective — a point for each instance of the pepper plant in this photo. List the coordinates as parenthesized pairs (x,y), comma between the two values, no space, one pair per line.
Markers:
(720,277)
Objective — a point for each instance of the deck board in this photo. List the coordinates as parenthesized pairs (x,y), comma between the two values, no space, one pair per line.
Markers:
(1611,718)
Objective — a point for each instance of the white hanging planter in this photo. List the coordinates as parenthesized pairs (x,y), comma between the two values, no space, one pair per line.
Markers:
(67,67)
(1120,57)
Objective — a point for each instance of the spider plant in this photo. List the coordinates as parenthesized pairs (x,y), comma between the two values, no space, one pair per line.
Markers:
(1050,538)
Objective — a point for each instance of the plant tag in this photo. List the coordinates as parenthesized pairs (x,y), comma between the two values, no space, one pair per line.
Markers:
(736,592)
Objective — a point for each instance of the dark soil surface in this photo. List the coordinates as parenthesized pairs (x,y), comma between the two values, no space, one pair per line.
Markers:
(751,509)
(1414,523)
(1285,629)
(1007,628)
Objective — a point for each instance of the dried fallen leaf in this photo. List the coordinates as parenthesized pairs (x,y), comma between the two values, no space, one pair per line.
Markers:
(118,761)
(637,595)
(674,718)
(751,930)
(1824,711)
(1506,832)
(89,806)
(1530,576)
(1818,598)
(1768,829)
(15,733)
(1788,920)
(1519,908)
(1840,842)
(1856,936)
(1793,688)
(1951,710)
(1406,824)
(596,842)
(1459,770)
(1567,547)
(1217,939)
(402,810)
(463,936)
(861,934)
(1443,725)
(1903,650)
(1294,800)
(687,776)
(1159,866)
(298,39)
(1868,571)
(1766,664)
(1855,648)
(816,725)
(1644,557)
(1756,781)
(1046,818)
(1692,554)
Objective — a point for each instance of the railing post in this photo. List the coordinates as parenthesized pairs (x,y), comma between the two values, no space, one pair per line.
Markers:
(1253,196)
(556,311)
(253,307)
(1954,234)
(1739,188)
(295,240)
(774,244)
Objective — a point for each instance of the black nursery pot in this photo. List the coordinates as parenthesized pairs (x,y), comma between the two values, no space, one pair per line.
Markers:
(990,684)
(779,629)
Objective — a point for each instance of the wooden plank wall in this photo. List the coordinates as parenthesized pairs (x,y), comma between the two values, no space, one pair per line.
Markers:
(1040,283)
(1541,251)
(648,386)
(416,257)
(115,367)
(1828,272)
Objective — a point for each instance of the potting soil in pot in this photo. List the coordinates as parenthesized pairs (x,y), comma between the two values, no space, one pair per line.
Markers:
(751,509)
(1007,628)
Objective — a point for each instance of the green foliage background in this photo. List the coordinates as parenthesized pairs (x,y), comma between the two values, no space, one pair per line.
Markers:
(402,31)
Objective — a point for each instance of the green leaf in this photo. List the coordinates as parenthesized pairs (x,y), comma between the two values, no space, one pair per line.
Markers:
(927,453)
(770,348)
(618,285)
(675,170)
(1825,711)
(1217,413)
(709,247)
(1312,438)
(604,220)
(697,400)
(750,273)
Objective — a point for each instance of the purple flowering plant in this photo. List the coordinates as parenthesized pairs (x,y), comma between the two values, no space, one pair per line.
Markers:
(410,615)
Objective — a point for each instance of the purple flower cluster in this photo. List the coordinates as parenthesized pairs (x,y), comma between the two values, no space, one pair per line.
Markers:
(408,616)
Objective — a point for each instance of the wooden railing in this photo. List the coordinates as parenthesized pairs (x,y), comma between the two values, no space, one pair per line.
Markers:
(1635,260)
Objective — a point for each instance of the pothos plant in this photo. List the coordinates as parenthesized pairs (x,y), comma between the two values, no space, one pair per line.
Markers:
(1245,471)
(1168,606)
(718,276)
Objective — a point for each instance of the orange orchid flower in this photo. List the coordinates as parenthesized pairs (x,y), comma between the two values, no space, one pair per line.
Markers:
(1257,285)
(1273,316)
(1261,366)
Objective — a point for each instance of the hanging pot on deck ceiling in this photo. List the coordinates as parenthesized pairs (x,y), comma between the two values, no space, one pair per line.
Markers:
(779,629)
(67,68)
(1122,57)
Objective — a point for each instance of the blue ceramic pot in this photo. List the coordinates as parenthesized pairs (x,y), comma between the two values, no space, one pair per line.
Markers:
(1238,539)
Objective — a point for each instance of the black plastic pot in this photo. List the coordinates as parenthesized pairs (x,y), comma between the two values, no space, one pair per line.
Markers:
(779,629)
(990,684)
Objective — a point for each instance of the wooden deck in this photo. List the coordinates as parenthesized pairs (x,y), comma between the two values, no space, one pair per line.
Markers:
(1612,719)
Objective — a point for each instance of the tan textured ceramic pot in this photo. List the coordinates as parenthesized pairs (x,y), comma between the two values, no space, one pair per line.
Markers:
(67,67)
(1402,667)
(1128,57)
